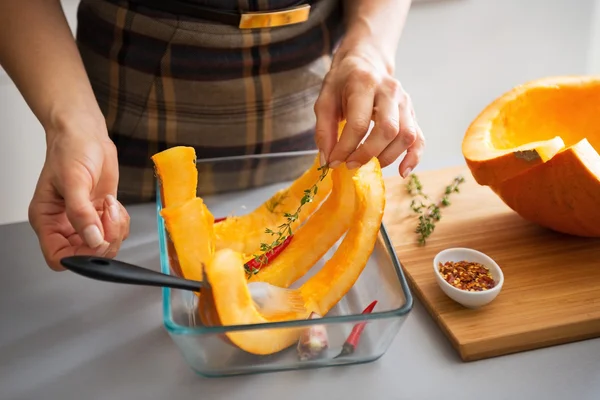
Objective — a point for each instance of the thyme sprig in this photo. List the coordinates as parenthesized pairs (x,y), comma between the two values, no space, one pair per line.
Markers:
(428,210)
(284,230)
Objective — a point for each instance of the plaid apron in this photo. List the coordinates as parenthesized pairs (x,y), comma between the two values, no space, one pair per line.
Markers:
(163,80)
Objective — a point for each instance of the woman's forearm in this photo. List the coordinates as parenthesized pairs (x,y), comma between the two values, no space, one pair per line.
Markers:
(39,53)
(376,22)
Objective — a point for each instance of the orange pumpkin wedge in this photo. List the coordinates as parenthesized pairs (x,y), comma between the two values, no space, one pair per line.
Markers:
(245,233)
(234,306)
(313,239)
(190,228)
(322,291)
(178,175)
(340,272)
(537,147)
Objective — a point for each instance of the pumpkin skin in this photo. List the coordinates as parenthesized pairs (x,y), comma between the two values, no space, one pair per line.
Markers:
(537,147)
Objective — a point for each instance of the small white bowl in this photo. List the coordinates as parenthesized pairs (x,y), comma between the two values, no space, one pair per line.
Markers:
(468,299)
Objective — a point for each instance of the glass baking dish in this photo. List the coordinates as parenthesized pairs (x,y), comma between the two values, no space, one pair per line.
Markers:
(206,349)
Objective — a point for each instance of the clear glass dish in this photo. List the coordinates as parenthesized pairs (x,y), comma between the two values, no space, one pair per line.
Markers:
(207,351)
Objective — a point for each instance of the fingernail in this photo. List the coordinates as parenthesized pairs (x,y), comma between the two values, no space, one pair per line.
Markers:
(113,208)
(114,213)
(352,165)
(334,164)
(103,249)
(322,159)
(110,200)
(92,236)
(406,172)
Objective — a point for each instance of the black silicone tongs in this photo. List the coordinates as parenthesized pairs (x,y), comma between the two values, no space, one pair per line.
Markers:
(110,270)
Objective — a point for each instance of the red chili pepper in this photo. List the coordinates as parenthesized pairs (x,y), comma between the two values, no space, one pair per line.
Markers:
(220,219)
(255,264)
(352,341)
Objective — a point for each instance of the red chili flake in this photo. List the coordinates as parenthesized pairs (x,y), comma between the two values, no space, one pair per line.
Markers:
(467,275)
(220,219)
(352,341)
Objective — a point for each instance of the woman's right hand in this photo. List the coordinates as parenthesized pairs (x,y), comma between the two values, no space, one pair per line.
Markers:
(74,209)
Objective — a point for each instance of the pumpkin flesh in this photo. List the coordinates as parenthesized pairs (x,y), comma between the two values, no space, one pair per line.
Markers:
(537,146)
(190,227)
(177,173)
(341,271)
(234,306)
(245,233)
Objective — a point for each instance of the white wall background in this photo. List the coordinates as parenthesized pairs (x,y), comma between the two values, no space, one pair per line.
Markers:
(594,50)
(455,57)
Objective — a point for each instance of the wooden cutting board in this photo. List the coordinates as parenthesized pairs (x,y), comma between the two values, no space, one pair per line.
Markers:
(551,293)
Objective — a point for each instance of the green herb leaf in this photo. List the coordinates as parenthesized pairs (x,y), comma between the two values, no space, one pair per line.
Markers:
(429,213)
(285,230)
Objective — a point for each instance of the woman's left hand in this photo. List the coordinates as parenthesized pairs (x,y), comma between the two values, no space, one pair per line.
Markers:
(360,88)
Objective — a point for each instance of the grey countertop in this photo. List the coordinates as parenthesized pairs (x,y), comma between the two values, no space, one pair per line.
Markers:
(66,337)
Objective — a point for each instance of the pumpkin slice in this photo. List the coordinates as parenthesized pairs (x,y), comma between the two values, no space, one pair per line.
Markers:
(537,146)
(178,175)
(322,291)
(190,228)
(245,233)
(234,306)
(313,239)
(341,271)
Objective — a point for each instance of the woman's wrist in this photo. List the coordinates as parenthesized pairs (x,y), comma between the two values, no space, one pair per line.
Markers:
(373,30)
(368,49)
(87,121)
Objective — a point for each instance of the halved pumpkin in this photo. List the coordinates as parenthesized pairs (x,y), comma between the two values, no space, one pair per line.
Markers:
(537,146)
(322,291)
(313,239)
(245,233)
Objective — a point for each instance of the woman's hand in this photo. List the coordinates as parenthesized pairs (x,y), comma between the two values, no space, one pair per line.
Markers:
(360,88)
(74,210)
